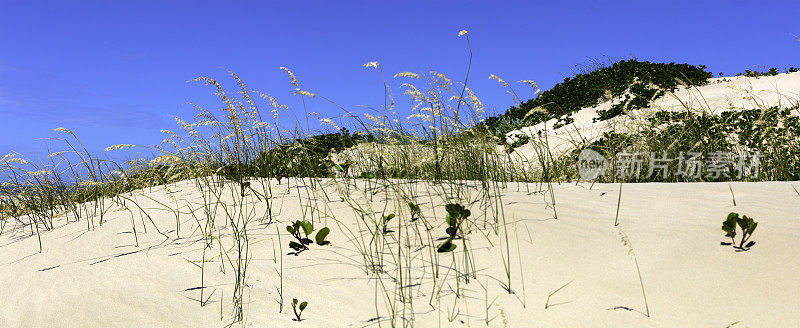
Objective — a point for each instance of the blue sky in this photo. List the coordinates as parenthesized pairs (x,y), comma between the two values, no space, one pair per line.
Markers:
(114,71)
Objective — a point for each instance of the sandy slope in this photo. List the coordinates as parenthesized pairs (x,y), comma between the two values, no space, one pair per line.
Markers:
(99,278)
(720,94)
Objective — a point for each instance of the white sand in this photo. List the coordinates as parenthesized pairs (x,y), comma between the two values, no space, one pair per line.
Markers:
(99,278)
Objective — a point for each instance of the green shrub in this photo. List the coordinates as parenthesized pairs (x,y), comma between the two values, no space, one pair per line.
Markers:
(640,97)
(772,71)
(521,141)
(306,157)
(586,90)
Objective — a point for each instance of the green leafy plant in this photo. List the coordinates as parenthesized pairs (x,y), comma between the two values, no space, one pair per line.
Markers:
(519,142)
(301,306)
(415,211)
(456,214)
(745,223)
(321,235)
(385,222)
(300,230)
(298,227)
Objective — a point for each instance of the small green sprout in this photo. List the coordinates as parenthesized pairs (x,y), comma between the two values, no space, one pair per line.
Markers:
(301,307)
(385,221)
(244,185)
(320,236)
(415,211)
(745,223)
(456,214)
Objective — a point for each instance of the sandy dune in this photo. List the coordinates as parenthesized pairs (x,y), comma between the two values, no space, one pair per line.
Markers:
(99,278)
(721,94)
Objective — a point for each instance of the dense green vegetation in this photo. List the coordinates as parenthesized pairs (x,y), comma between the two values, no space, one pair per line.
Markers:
(638,81)
(768,72)
(773,133)
(303,157)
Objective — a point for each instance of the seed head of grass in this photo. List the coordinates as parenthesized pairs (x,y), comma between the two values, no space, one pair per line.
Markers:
(40,173)
(627,242)
(304,93)
(533,86)
(90,183)
(292,79)
(165,160)
(407,74)
(327,121)
(259,125)
(499,80)
(60,129)
(443,81)
(120,146)
(11,158)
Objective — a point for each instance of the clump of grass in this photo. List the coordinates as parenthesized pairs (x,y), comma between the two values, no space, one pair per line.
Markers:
(553,292)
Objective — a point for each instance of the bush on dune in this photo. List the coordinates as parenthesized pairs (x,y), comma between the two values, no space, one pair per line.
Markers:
(639,81)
